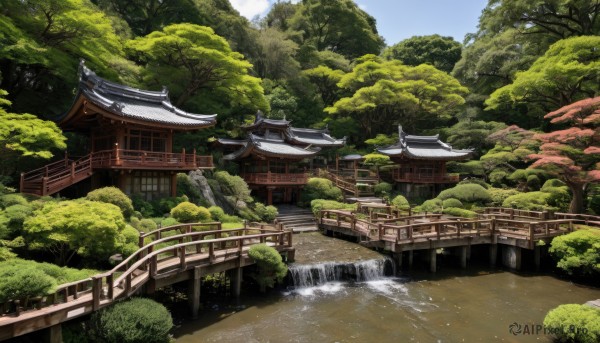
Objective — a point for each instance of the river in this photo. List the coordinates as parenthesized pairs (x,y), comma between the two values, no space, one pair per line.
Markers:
(454,305)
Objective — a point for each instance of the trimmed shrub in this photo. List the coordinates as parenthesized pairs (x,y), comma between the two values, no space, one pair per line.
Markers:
(400,202)
(497,177)
(216,213)
(533,182)
(559,198)
(233,185)
(474,180)
(552,183)
(320,204)
(12,219)
(266,213)
(203,214)
(452,203)
(270,265)
(319,188)
(147,225)
(12,199)
(577,252)
(142,206)
(382,188)
(24,283)
(498,195)
(432,205)
(459,212)
(6,254)
(533,201)
(132,321)
(467,193)
(169,222)
(113,195)
(574,323)
(186,212)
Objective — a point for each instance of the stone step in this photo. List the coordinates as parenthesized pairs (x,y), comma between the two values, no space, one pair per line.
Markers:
(294,217)
(299,223)
(297,229)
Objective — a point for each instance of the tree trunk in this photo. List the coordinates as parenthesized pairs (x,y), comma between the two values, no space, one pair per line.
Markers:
(577,201)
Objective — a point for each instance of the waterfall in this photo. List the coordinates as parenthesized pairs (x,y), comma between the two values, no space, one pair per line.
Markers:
(309,275)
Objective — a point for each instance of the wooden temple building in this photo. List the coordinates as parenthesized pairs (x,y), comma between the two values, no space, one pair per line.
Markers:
(130,142)
(275,158)
(421,164)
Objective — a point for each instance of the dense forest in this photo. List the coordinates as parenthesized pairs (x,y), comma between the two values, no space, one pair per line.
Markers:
(321,63)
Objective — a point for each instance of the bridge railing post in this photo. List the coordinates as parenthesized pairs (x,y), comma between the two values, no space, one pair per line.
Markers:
(141,239)
(211,252)
(181,257)
(531,234)
(96,292)
(109,285)
(380,231)
(153,267)
(289,238)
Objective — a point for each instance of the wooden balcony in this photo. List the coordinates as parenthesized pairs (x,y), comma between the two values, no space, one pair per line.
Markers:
(271,179)
(137,159)
(400,176)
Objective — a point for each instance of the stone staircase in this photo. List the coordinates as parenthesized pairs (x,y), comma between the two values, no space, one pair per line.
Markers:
(296,219)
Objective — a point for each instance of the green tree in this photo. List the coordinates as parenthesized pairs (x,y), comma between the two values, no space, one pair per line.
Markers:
(471,134)
(320,188)
(88,228)
(233,186)
(336,25)
(132,321)
(270,265)
(440,52)
(24,136)
(282,103)
(198,66)
(568,71)
(325,80)
(275,55)
(386,93)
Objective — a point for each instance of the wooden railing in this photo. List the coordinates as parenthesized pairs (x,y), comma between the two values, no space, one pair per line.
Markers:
(399,176)
(150,260)
(585,219)
(61,174)
(345,185)
(438,229)
(511,213)
(275,178)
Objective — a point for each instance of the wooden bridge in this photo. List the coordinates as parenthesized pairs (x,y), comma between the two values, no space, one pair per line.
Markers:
(355,187)
(188,253)
(513,229)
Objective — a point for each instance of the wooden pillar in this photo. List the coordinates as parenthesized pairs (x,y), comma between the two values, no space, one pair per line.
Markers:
(493,254)
(399,260)
(269,196)
(537,257)
(410,259)
(463,256)
(432,260)
(174,185)
(54,334)
(194,292)
(511,257)
(235,278)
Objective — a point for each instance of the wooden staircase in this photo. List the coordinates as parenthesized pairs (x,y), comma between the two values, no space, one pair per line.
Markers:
(346,185)
(56,176)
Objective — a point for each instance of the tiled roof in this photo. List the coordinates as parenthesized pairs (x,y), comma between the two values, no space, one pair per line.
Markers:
(423,147)
(136,104)
(314,137)
(271,148)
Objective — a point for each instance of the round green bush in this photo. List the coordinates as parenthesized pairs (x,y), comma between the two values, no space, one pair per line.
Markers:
(574,323)
(382,188)
(132,321)
(266,213)
(552,183)
(432,205)
(532,201)
(400,202)
(497,177)
(113,195)
(186,212)
(170,221)
(533,182)
(269,264)
(498,195)
(577,252)
(319,188)
(203,214)
(320,204)
(467,193)
(216,213)
(459,212)
(12,199)
(452,203)
(20,282)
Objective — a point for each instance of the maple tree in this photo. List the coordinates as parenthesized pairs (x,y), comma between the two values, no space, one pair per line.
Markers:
(572,153)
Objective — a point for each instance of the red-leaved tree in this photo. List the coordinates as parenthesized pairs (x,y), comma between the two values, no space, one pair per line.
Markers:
(573,154)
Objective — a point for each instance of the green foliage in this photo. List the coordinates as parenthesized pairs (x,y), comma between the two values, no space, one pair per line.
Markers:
(112,195)
(216,213)
(132,321)
(88,228)
(382,189)
(147,225)
(266,213)
(6,254)
(533,182)
(203,214)
(459,212)
(450,202)
(574,323)
(164,205)
(186,212)
(319,188)
(440,52)
(466,193)
(170,221)
(233,185)
(270,265)
(432,205)
(400,202)
(498,195)
(551,183)
(12,219)
(578,252)
(498,176)
(12,199)
(382,140)
(559,198)
(142,206)
(186,187)
(533,201)
(320,204)
(471,134)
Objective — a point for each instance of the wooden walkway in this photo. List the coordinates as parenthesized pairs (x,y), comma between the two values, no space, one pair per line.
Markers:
(187,254)
(432,230)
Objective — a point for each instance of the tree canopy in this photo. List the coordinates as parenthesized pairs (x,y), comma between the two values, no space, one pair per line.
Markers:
(440,52)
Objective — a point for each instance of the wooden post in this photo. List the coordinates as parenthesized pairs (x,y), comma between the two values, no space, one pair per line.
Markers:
(537,257)
(194,285)
(194,157)
(493,254)
(463,257)
(141,239)
(72,171)
(432,260)
(269,194)
(117,155)
(45,185)
(109,285)
(96,291)
(55,334)
(410,259)
(235,277)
